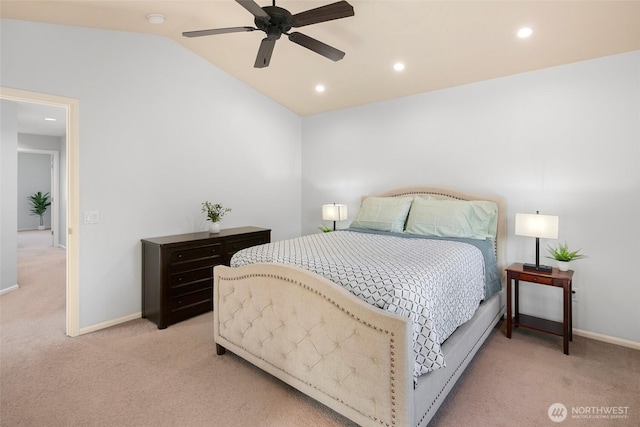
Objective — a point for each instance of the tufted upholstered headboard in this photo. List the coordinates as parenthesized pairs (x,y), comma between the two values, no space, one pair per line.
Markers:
(445,193)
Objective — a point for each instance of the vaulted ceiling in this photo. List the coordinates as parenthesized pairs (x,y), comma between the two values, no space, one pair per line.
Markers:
(441,43)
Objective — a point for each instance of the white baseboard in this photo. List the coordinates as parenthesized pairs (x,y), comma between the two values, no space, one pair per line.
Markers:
(607,338)
(9,289)
(110,323)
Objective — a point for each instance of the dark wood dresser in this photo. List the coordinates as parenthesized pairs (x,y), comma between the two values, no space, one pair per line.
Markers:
(177,271)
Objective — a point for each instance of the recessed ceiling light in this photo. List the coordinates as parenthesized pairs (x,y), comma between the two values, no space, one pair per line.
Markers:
(398,66)
(525,32)
(320,88)
(155,18)
(50,119)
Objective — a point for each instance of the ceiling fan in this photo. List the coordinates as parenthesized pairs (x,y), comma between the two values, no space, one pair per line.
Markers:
(275,21)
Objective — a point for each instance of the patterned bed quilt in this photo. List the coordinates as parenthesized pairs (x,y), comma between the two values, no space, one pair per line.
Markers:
(436,282)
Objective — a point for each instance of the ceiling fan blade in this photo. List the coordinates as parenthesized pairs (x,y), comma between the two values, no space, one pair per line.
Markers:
(255,10)
(332,11)
(201,33)
(317,46)
(264,52)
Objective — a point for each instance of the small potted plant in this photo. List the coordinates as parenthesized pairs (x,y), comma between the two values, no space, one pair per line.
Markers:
(325,229)
(39,204)
(214,212)
(564,255)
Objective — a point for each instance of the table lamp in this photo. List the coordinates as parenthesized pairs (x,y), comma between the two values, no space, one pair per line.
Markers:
(540,227)
(334,213)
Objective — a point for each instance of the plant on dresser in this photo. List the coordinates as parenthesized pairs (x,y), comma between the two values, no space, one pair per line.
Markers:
(177,271)
(214,212)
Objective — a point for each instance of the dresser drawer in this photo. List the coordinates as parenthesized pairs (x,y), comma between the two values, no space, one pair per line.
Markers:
(536,279)
(236,245)
(197,253)
(187,281)
(182,302)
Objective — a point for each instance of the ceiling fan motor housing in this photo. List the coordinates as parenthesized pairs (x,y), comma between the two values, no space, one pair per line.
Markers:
(281,21)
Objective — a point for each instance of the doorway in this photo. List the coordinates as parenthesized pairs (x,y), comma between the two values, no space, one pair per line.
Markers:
(71,207)
(39,170)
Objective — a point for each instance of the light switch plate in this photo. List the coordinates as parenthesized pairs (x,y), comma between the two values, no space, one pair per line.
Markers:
(91,217)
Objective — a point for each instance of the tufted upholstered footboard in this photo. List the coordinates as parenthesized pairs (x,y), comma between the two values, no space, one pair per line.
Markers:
(319,338)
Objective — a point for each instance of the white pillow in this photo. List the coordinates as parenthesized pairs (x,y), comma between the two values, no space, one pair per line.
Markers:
(383,213)
(475,219)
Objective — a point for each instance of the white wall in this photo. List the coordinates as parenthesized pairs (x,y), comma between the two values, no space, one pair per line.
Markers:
(8,194)
(161,131)
(563,140)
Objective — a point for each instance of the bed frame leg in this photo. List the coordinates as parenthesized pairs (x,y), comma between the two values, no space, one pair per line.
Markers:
(220,350)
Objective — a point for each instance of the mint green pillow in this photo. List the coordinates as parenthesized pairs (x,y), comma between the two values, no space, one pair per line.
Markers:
(476,219)
(383,213)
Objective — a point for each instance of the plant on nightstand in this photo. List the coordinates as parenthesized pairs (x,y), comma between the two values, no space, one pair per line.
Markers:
(214,212)
(325,229)
(39,204)
(564,256)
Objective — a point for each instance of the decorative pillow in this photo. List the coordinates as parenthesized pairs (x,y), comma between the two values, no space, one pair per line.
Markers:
(475,219)
(383,213)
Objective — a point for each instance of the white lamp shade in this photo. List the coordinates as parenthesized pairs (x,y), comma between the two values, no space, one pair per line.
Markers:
(535,225)
(334,212)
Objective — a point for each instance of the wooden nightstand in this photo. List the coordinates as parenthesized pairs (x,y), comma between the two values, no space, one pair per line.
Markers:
(557,278)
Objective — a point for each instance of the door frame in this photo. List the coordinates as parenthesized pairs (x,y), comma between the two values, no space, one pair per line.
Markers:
(71,107)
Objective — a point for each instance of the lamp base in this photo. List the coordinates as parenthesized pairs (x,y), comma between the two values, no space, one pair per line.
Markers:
(538,268)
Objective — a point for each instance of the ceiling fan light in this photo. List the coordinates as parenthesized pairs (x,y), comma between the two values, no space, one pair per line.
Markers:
(398,66)
(320,88)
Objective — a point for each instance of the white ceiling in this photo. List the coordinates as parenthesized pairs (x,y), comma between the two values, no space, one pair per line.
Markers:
(443,43)
(31,119)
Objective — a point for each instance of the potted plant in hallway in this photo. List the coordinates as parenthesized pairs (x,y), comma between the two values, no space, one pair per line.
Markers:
(214,212)
(564,256)
(39,204)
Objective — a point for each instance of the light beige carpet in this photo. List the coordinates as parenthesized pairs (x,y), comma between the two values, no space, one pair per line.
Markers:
(136,375)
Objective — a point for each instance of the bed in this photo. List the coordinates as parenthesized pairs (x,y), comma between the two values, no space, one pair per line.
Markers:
(368,360)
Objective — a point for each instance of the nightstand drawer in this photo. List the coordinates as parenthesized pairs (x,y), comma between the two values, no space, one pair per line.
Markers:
(536,279)
(200,252)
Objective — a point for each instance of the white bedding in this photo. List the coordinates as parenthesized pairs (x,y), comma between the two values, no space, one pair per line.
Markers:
(437,283)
